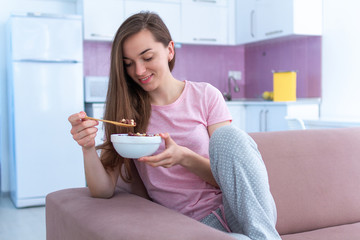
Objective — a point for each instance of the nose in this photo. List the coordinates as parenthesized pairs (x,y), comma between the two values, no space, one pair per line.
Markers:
(140,68)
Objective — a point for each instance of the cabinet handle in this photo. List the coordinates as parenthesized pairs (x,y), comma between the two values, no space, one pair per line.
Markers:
(205,39)
(39,60)
(260,120)
(207,1)
(252,14)
(273,32)
(100,35)
(266,119)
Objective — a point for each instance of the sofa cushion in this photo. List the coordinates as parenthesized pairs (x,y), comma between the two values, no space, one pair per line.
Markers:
(343,232)
(314,176)
(73,214)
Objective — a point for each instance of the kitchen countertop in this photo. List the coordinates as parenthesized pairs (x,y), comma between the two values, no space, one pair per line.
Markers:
(260,101)
(333,122)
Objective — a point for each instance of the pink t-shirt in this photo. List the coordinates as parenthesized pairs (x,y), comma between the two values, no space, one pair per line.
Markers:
(186,120)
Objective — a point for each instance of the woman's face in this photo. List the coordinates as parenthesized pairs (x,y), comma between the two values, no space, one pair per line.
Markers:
(146,61)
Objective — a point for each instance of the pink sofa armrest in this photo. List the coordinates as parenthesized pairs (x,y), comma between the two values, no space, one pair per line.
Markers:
(74,214)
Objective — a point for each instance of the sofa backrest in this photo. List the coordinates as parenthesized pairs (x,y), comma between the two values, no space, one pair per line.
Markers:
(314,176)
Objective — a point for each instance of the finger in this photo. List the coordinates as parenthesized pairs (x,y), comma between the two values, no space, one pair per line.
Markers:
(88,141)
(165,136)
(76,128)
(155,158)
(162,163)
(76,118)
(167,165)
(84,133)
(162,159)
(167,139)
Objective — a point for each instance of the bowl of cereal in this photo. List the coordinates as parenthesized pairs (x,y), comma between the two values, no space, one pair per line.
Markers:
(136,145)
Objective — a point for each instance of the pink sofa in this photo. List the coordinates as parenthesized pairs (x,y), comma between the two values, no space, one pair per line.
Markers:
(314,177)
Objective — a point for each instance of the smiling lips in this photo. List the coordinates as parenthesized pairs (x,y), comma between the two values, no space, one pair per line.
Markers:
(146,79)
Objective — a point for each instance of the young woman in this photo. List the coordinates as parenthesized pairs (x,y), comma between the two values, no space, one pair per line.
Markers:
(205,168)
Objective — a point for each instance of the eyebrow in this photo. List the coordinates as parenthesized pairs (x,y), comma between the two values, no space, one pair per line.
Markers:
(143,52)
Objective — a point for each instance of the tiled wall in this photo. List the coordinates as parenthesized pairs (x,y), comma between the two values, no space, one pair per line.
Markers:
(255,61)
(301,54)
(96,58)
(209,64)
(193,62)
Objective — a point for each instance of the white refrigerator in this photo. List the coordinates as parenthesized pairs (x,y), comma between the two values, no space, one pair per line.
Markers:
(45,86)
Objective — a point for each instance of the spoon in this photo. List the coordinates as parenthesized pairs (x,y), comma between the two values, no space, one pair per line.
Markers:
(132,124)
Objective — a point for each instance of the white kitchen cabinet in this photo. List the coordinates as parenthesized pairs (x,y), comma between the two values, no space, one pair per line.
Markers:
(205,22)
(271,116)
(237,110)
(168,10)
(265,118)
(209,22)
(102,18)
(258,20)
(245,21)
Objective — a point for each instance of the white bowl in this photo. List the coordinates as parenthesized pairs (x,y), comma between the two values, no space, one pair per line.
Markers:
(135,146)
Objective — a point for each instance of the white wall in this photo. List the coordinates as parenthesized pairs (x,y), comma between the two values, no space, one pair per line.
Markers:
(341,60)
(7,7)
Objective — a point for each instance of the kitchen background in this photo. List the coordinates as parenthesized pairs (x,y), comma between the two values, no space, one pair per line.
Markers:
(326,65)
(255,61)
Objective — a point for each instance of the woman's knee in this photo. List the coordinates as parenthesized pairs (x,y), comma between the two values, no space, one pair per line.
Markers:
(230,146)
(230,139)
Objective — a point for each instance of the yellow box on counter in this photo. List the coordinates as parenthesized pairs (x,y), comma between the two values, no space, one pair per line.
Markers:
(284,86)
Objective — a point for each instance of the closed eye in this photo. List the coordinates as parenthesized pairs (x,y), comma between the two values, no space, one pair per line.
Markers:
(127,64)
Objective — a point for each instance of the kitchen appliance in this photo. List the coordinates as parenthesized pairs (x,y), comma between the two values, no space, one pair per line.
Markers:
(95,97)
(284,84)
(45,86)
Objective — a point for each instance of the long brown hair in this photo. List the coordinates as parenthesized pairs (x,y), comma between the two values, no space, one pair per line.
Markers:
(125,98)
